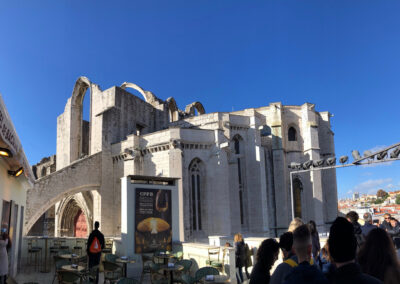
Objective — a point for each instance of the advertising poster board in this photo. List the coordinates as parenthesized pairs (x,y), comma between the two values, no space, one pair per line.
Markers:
(153,220)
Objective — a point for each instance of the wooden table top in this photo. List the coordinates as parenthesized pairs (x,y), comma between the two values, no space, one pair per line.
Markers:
(120,260)
(70,268)
(218,279)
(176,267)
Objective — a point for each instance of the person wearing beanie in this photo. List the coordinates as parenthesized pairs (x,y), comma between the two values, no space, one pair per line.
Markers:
(342,245)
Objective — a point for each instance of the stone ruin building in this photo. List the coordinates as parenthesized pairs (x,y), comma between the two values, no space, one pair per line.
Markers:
(232,166)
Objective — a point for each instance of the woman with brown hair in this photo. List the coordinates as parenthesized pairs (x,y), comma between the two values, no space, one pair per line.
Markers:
(267,254)
(240,254)
(377,257)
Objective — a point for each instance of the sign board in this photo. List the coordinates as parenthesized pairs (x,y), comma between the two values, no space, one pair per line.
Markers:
(153,220)
(149,214)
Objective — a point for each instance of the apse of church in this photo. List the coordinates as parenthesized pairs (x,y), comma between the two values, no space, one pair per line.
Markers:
(231,166)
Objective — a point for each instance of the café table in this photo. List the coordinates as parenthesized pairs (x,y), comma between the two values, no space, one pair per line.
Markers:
(125,263)
(69,267)
(70,256)
(165,257)
(171,269)
(217,279)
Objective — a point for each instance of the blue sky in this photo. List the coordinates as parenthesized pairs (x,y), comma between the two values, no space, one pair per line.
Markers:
(341,55)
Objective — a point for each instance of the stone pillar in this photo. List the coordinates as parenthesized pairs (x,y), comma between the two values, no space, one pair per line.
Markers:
(255,186)
(281,187)
(312,152)
(219,220)
(175,170)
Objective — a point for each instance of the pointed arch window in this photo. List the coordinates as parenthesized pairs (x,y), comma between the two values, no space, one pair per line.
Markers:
(297,189)
(237,146)
(196,174)
(292,134)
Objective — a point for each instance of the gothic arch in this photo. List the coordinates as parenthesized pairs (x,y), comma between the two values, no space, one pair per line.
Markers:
(297,196)
(172,109)
(78,93)
(292,133)
(190,109)
(76,117)
(67,211)
(148,96)
(197,179)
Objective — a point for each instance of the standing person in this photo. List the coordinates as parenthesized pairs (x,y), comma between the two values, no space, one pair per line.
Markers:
(386,222)
(240,255)
(95,245)
(248,262)
(294,224)
(316,247)
(368,226)
(394,231)
(3,257)
(324,261)
(378,257)
(289,259)
(352,217)
(304,273)
(267,254)
(342,248)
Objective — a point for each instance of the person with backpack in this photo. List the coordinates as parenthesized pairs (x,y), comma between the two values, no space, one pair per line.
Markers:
(95,245)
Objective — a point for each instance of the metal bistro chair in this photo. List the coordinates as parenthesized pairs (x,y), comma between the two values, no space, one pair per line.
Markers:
(220,265)
(58,263)
(79,245)
(112,271)
(127,281)
(108,246)
(68,277)
(34,251)
(63,245)
(202,272)
(186,263)
(213,257)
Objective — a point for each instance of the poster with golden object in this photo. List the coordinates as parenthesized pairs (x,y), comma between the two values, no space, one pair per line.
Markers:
(153,220)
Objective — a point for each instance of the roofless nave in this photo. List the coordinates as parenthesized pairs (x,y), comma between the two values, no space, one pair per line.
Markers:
(232,166)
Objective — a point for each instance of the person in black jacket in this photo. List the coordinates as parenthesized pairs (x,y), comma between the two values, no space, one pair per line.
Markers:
(240,255)
(342,246)
(352,217)
(267,254)
(386,222)
(95,236)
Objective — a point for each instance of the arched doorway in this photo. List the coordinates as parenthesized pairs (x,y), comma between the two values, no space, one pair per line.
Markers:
(297,189)
(80,225)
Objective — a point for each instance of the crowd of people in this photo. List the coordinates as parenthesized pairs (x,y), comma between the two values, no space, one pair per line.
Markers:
(352,253)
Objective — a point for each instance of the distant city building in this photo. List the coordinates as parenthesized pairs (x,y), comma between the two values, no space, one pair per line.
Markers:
(232,167)
(356,196)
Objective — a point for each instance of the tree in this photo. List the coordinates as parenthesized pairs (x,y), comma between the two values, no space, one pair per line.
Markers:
(382,194)
(378,201)
(397,199)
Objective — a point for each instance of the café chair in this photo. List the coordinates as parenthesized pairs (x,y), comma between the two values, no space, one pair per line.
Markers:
(202,272)
(186,263)
(112,271)
(68,277)
(127,281)
(58,263)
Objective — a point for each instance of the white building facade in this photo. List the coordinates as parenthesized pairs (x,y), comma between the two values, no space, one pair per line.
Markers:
(232,168)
